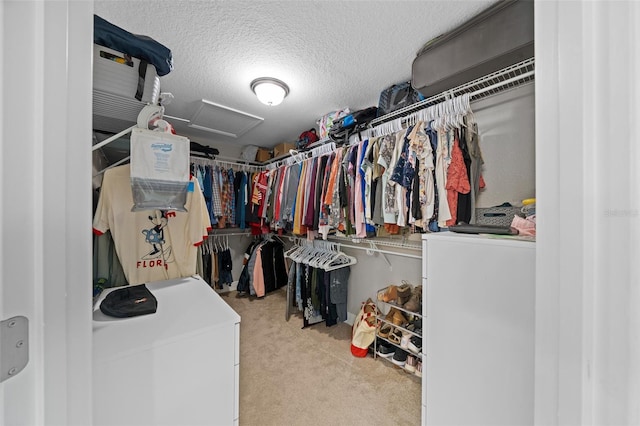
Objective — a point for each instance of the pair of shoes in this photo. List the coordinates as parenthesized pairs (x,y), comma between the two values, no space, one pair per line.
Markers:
(406,338)
(384,349)
(415,345)
(418,371)
(417,323)
(388,294)
(414,304)
(399,357)
(404,293)
(395,336)
(410,364)
(415,327)
(396,317)
(385,329)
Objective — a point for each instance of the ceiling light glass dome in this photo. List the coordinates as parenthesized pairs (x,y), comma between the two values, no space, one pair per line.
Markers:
(270,91)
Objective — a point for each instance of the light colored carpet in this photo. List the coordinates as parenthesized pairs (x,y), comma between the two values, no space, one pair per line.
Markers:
(294,376)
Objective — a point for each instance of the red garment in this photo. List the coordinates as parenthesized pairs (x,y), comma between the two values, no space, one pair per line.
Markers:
(282,173)
(259,196)
(457,181)
(392,228)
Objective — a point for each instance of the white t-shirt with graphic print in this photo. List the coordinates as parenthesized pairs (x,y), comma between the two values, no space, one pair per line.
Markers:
(151,245)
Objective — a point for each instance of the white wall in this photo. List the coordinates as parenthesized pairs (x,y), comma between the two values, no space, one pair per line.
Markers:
(227,149)
(506,123)
(372,272)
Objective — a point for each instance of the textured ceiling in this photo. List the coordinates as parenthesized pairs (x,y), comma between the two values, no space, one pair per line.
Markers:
(332,54)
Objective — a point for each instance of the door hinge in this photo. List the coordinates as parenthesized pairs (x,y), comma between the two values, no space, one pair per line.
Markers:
(14,346)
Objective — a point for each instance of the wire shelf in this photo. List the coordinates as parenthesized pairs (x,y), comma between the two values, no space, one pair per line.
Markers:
(502,80)
(387,242)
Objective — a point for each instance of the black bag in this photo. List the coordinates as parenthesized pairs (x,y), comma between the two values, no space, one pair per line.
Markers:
(200,150)
(142,47)
(397,96)
(129,301)
(352,123)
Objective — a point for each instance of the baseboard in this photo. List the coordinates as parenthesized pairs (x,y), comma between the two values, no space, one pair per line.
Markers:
(350,318)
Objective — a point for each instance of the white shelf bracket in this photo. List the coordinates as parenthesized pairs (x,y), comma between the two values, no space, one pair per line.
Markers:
(375,247)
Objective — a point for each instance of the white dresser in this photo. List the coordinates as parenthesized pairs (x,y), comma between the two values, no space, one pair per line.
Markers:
(179,366)
(479,336)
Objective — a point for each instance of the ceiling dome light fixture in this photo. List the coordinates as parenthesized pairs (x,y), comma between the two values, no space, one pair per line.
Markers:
(270,91)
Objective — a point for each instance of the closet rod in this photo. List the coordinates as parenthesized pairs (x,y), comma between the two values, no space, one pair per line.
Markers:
(212,233)
(298,157)
(506,78)
(370,248)
(380,242)
(235,162)
(239,161)
(377,250)
(501,84)
(192,159)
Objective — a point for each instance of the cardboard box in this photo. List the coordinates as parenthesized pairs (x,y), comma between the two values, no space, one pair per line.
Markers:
(263,155)
(282,149)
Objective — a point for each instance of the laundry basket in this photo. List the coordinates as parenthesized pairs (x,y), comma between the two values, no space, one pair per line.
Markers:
(500,215)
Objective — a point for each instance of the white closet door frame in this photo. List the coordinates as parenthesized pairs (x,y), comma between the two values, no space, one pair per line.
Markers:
(588,187)
(45,205)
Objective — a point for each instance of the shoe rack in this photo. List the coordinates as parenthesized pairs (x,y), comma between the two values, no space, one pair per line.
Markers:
(396,326)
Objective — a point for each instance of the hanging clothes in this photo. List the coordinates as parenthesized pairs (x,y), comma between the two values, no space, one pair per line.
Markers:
(320,295)
(457,181)
(433,141)
(225,266)
(232,197)
(476,181)
(442,165)
(290,190)
(298,227)
(397,180)
(264,270)
(241,197)
(463,214)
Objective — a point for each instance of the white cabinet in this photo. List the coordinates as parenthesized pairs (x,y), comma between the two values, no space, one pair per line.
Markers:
(177,366)
(478,308)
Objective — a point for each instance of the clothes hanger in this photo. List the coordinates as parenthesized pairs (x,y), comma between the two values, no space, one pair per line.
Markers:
(205,246)
(310,255)
(291,250)
(317,258)
(288,252)
(341,261)
(302,255)
(296,255)
(333,255)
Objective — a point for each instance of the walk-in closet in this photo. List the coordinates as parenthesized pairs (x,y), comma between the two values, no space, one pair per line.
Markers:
(332,230)
(395,212)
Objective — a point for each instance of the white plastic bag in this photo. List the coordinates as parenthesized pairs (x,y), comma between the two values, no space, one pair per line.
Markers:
(159,170)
